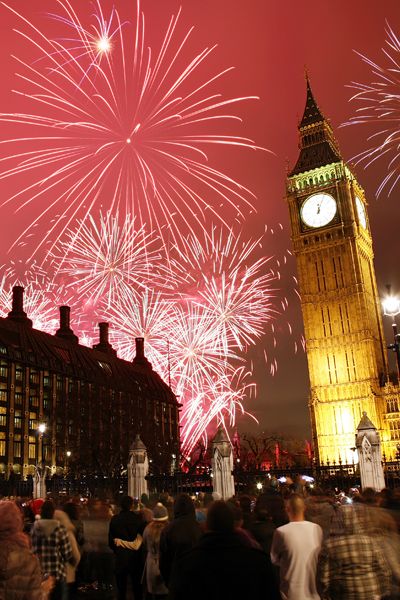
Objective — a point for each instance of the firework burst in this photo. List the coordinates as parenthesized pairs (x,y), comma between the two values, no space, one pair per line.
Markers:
(122,125)
(106,259)
(219,402)
(379,112)
(232,287)
(41,298)
(146,315)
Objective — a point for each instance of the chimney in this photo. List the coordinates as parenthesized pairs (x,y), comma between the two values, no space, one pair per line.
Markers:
(104,345)
(17,312)
(65,330)
(140,358)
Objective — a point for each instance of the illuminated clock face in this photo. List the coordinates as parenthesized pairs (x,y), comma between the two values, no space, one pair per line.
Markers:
(318,210)
(361,213)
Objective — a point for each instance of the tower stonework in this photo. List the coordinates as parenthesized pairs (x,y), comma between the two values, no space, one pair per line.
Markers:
(345,346)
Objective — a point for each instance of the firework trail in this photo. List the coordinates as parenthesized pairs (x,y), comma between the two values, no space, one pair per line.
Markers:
(106,259)
(115,123)
(379,112)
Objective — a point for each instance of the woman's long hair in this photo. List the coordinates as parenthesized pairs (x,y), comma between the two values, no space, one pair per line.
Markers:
(154,530)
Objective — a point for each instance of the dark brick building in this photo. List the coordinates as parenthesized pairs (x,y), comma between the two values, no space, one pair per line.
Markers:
(92,402)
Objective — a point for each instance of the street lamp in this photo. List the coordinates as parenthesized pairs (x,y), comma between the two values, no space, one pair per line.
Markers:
(42,430)
(391,308)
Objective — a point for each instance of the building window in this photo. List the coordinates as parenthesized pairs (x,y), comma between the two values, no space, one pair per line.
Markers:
(3,392)
(3,416)
(18,419)
(17,446)
(3,369)
(105,366)
(32,447)
(392,405)
(34,377)
(320,273)
(34,401)
(32,420)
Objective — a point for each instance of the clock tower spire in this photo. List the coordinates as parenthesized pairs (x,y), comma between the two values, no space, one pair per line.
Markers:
(332,242)
(318,145)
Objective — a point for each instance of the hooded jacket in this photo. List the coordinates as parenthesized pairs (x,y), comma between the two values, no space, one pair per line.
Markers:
(51,545)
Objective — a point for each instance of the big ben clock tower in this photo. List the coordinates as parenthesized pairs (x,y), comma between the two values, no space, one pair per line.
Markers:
(332,242)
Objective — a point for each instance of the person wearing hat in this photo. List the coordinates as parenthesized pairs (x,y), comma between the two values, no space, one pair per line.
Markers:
(155,585)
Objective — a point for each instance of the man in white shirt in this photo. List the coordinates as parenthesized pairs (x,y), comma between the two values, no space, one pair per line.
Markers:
(295,549)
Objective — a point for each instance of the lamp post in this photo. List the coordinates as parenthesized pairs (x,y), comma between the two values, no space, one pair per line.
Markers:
(42,430)
(391,308)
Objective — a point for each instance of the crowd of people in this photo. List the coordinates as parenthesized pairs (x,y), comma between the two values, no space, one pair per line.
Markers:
(293,544)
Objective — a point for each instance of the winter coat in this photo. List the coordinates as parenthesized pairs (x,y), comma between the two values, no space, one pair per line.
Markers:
(64,519)
(51,544)
(125,526)
(20,574)
(154,581)
(220,567)
(178,537)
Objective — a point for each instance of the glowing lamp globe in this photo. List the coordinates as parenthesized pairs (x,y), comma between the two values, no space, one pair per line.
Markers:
(391,306)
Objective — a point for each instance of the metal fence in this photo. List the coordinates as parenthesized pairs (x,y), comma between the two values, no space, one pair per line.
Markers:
(252,481)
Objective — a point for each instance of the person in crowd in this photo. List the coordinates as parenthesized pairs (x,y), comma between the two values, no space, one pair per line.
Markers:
(71,566)
(352,563)
(295,548)
(179,536)
(127,525)
(244,534)
(262,528)
(166,500)
(320,509)
(220,566)
(155,585)
(96,569)
(276,507)
(51,545)
(20,574)
(72,510)
(245,503)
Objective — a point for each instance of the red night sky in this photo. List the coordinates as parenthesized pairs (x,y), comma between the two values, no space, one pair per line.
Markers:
(269,43)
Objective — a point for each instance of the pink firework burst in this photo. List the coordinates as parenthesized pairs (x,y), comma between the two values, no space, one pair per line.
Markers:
(232,286)
(120,125)
(195,356)
(379,112)
(107,258)
(41,298)
(144,315)
(218,402)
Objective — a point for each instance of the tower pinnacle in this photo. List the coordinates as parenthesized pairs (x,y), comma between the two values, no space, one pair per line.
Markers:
(318,146)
